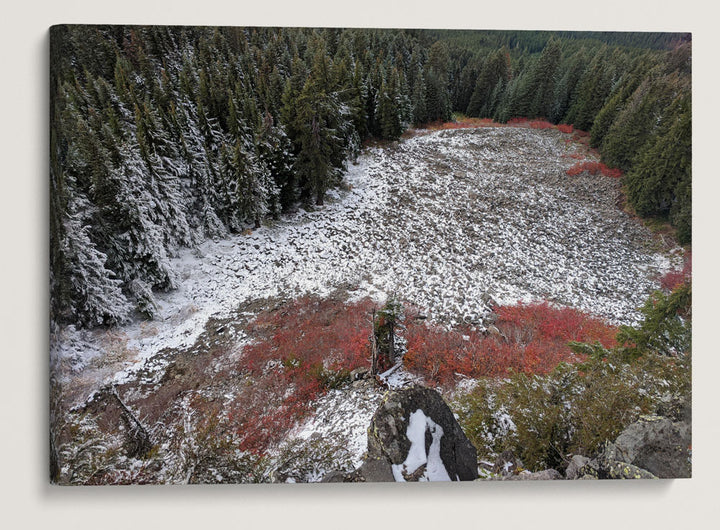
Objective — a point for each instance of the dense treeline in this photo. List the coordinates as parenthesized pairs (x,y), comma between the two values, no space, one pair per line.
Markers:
(164,136)
(535,41)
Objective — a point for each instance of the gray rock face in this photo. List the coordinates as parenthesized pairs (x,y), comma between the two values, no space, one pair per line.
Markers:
(653,447)
(376,470)
(578,468)
(657,445)
(411,428)
(413,436)
(616,469)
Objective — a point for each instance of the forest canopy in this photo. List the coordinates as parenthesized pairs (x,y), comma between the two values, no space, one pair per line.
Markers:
(162,137)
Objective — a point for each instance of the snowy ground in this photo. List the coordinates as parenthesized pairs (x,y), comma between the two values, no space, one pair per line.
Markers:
(445,221)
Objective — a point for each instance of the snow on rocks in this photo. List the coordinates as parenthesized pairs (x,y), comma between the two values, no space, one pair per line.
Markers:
(442,221)
(398,437)
(342,419)
(434,470)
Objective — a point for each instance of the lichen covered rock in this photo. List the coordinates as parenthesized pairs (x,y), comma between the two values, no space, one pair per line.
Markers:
(658,445)
(581,467)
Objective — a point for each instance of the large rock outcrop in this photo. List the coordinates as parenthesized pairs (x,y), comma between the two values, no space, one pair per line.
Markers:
(652,447)
(417,435)
(656,445)
(414,436)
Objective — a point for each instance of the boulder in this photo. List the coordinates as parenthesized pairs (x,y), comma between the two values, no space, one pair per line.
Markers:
(622,470)
(545,474)
(652,447)
(335,476)
(414,436)
(374,469)
(677,408)
(658,445)
(581,467)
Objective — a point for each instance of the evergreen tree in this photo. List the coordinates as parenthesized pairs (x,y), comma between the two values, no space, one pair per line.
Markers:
(565,87)
(198,160)
(255,190)
(388,111)
(659,183)
(545,77)
(403,101)
(508,108)
(638,121)
(89,293)
(356,96)
(436,83)
(419,101)
(495,70)
(275,151)
(465,86)
(591,92)
(293,87)
(320,138)
(609,113)
(681,211)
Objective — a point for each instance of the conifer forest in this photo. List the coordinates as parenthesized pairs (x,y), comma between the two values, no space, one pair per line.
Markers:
(245,220)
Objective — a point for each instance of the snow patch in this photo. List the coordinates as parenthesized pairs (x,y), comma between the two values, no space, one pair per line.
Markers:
(434,468)
(342,419)
(445,221)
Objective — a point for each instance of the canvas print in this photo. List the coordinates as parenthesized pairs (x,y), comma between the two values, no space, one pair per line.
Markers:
(291,255)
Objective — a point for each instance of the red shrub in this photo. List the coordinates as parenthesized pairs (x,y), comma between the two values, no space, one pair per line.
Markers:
(555,324)
(541,124)
(594,168)
(533,338)
(674,279)
(308,330)
(297,351)
(518,121)
(462,123)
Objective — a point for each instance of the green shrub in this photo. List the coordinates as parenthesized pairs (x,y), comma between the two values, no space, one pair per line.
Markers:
(330,379)
(667,327)
(573,410)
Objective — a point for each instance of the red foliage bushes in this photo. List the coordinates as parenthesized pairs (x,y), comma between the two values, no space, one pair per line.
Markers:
(529,338)
(462,122)
(302,348)
(541,124)
(674,279)
(299,350)
(309,329)
(554,324)
(594,168)
(517,121)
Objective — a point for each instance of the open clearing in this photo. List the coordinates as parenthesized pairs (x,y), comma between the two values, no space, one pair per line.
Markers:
(447,221)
